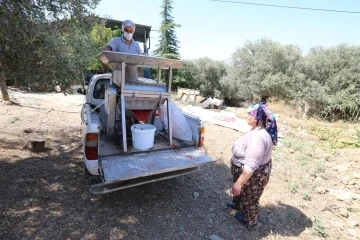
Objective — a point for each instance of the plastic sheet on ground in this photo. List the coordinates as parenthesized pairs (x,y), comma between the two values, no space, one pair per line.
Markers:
(222,118)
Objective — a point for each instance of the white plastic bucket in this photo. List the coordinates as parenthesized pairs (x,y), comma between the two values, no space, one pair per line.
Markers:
(143,136)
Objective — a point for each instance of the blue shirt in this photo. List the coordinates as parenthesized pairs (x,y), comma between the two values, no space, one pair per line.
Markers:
(118,44)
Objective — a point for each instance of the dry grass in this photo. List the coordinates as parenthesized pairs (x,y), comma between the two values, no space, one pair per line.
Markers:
(44,195)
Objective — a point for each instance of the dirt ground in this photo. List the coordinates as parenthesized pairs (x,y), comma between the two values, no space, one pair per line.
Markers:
(313,191)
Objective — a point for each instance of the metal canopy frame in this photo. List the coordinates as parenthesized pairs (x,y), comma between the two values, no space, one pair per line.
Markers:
(114,58)
(117,62)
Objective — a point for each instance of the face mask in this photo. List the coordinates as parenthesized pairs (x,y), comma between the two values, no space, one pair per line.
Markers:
(128,36)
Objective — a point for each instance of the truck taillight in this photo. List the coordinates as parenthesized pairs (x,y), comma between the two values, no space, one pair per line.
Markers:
(91,146)
(201,136)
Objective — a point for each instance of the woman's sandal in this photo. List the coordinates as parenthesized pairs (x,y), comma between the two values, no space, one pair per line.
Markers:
(240,217)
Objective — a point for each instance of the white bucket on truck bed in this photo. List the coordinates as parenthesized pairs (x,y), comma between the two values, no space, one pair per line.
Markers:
(143,136)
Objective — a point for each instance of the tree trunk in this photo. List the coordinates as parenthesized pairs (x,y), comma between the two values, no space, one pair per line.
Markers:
(264,98)
(4,90)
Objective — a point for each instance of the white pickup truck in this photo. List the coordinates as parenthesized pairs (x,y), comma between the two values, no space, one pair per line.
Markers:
(111,160)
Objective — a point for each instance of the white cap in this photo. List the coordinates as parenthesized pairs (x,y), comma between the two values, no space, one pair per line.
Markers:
(127,23)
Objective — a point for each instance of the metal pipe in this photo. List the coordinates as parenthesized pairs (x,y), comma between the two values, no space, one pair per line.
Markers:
(169,122)
(122,76)
(168,107)
(149,43)
(170,79)
(145,47)
(159,75)
(123,121)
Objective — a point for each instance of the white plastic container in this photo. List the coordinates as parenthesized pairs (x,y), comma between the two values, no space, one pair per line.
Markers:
(206,103)
(143,136)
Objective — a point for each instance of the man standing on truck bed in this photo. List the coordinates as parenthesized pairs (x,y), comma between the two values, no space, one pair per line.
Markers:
(126,44)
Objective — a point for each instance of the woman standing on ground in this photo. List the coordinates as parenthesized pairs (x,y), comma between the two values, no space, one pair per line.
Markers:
(251,163)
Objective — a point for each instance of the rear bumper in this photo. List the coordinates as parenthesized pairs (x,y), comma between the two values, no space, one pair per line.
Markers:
(119,172)
(103,188)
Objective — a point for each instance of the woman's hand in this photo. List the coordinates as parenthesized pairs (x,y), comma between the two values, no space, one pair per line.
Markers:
(236,189)
(244,177)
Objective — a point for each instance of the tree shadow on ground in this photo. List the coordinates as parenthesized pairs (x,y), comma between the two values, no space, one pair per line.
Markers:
(282,220)
(46,197)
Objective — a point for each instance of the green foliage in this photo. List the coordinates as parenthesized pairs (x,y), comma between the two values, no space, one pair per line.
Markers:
(320,167)
(293,143)
(294,188)
(319,229)
(44,43)
(168,42)
(100,36)
(325,83)
(304,159)
(263,69)
(14,119)
(353,210)
(337,70)
(49,43)
(340,137)
(203,74)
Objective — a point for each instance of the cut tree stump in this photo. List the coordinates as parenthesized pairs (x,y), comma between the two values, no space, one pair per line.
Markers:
(36,145)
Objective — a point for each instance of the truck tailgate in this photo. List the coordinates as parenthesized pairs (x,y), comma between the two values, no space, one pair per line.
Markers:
(121,172)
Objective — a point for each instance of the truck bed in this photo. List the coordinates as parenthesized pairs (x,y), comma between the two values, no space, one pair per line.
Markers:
(113,146)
